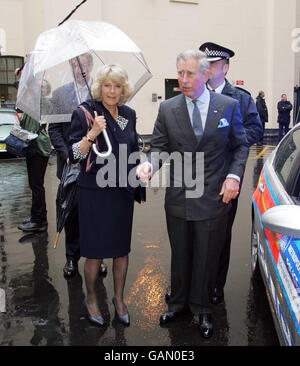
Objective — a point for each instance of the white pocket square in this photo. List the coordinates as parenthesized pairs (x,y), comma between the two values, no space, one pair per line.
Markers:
(223,123)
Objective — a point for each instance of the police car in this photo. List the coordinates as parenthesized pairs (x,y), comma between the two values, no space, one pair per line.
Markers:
(275,237)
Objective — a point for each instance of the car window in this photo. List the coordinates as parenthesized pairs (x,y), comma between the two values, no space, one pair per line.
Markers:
(10,118)
(287,160)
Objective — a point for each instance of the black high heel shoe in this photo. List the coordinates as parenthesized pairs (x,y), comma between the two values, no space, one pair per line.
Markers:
(124,319)
(96,320)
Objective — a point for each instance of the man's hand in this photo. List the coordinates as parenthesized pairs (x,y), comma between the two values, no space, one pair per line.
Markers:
(143,172)
(230,189)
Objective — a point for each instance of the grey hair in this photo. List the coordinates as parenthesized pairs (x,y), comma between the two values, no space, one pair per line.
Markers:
(114,73)
(198,55)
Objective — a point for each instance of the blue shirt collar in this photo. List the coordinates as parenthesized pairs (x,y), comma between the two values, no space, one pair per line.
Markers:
(204,97)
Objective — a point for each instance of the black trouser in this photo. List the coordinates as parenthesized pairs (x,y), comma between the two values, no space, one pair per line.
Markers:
(195,247)
(283,129)
(263,125)
(72,235)
(36,169)
(225,253)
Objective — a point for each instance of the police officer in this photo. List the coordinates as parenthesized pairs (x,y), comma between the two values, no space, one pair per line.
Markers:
(219,56)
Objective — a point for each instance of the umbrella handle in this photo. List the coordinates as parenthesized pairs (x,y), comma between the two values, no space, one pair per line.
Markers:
(109,148)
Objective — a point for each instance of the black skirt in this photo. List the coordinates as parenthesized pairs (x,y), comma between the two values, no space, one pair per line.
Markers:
(105,222)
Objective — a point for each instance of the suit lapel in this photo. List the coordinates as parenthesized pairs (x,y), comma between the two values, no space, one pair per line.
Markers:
(182,119)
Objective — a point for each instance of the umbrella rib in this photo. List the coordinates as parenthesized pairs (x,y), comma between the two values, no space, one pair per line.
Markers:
(143,63)
(99,57)
(72,12)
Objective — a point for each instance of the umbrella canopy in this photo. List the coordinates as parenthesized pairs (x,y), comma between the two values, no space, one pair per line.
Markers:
(52,66)
(66,198)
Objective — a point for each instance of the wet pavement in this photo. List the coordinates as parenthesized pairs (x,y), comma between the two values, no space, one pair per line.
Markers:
(42,308)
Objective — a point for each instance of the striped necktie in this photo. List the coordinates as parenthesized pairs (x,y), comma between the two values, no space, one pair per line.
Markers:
(197,122)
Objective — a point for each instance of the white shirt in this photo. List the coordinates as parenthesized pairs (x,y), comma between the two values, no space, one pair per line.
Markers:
(219,89)
(83,92)
(202,104)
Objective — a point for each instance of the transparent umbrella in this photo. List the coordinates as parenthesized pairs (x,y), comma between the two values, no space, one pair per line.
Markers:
(60,70)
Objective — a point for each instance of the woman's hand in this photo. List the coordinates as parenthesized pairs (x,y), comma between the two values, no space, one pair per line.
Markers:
(98,126)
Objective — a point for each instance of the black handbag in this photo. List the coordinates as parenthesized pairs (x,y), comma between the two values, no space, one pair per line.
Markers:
(18,147)
(21,142)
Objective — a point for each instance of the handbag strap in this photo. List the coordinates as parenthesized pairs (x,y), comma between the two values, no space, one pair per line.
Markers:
(89,121)
(88,116)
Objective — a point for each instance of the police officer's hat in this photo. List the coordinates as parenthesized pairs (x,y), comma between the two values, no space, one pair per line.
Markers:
(215,52)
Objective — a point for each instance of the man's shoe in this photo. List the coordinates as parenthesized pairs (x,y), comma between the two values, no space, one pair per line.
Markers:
(168,294)
(70,268)
(103,269)
(34,238)
(206,325)
(33,227)
(168,317)
(218,296)
(29,220)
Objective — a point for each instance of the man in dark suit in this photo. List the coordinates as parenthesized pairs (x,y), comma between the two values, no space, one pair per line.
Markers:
(284,108)
(218,57)
(208,128)
(64,100)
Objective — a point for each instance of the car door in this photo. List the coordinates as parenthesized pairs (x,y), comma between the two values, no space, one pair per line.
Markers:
(279,184)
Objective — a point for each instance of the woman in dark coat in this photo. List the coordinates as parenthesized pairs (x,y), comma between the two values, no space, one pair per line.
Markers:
(105,212)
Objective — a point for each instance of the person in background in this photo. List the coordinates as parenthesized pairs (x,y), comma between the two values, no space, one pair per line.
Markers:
(262,110)
(284,108)
(36,169)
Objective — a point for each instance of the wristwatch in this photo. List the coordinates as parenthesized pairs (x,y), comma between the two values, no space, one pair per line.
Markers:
(89,140)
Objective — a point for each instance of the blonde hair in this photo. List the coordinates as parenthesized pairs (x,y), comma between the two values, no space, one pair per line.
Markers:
(113,73)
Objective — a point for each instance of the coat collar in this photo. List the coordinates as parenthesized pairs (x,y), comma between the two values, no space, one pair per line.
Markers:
(228,89)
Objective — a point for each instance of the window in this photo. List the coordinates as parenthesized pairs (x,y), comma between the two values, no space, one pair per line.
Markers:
(8,64)
(287,160)
(8,80)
